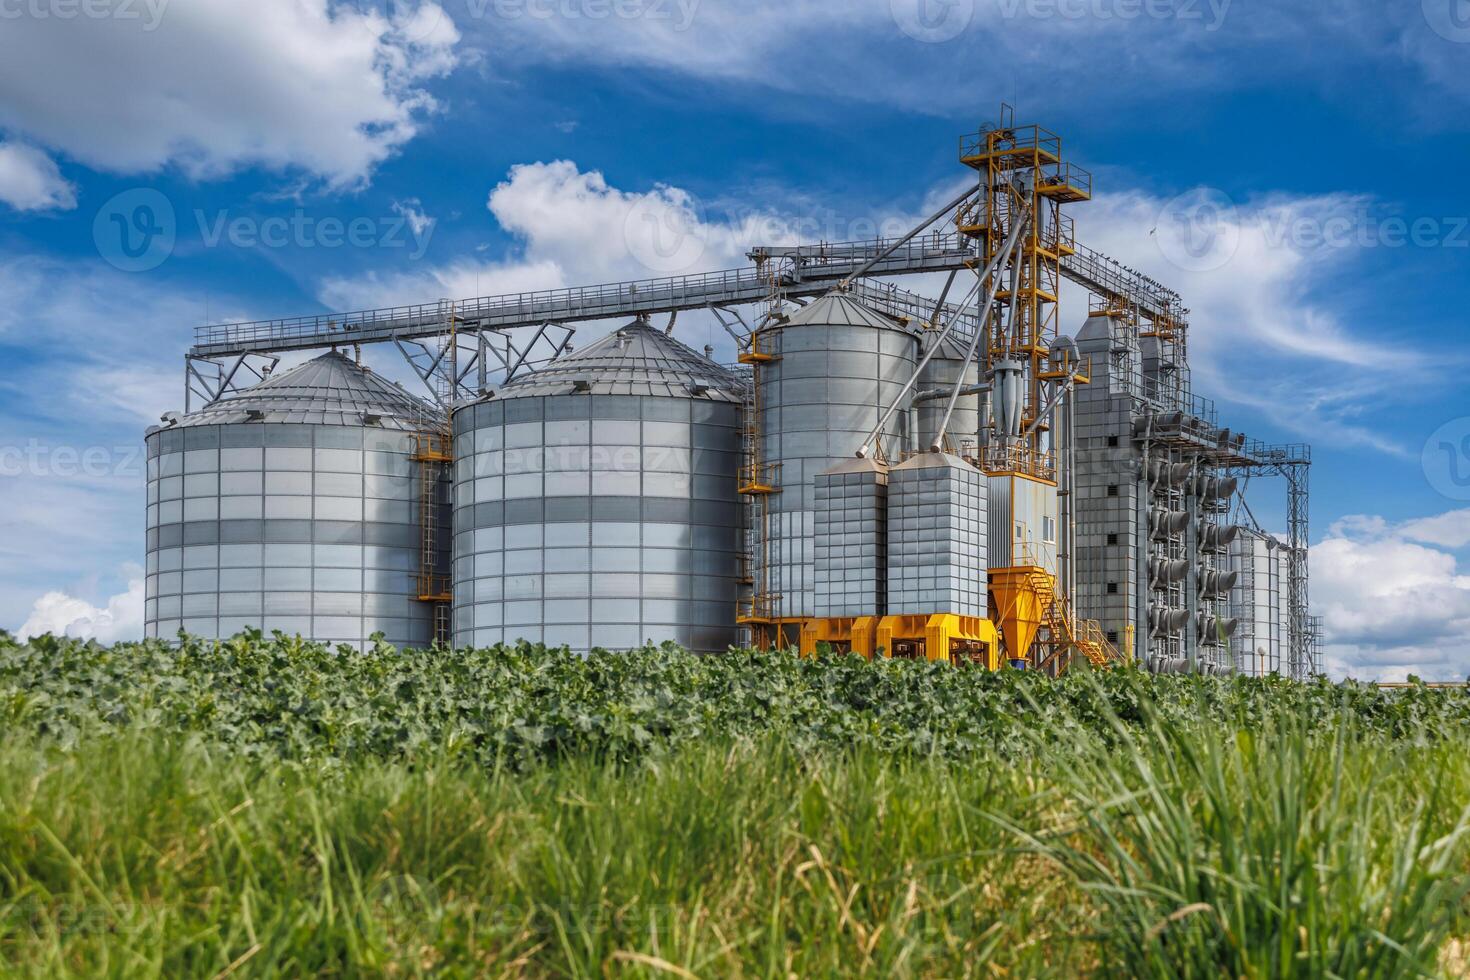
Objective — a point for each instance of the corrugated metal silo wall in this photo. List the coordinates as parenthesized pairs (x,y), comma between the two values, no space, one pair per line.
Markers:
(820,399)
(596,520)
(307,529)
(964,426)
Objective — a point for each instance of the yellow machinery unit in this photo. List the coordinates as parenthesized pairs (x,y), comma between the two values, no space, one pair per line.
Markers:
(939,636)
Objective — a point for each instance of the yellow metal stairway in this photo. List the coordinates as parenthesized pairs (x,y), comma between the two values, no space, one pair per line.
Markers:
(1066,631)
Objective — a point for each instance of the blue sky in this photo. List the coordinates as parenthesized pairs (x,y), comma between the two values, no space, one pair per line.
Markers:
(1298,174)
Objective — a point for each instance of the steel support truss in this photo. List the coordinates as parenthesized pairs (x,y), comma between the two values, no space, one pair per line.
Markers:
(462,366)
(207,379)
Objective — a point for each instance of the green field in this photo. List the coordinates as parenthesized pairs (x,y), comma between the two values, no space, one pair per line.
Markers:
(271,807)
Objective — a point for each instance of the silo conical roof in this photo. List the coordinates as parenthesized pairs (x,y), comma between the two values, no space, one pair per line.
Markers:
(841,309)
(633,360)
(330,389)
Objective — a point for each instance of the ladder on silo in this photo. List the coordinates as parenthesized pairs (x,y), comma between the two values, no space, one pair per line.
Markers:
(757,481)
(434,453)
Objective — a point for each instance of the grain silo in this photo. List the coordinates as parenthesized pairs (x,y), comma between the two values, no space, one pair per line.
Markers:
(293,505)
(824,377)
(950,364)
(595,501)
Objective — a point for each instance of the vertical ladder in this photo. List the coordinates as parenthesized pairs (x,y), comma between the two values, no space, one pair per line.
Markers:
(434,453)
(757,482)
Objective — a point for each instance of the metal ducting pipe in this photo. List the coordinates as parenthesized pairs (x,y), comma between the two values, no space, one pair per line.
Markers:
(1164,571)
(1162,472)
(1163,522)
(1168,665)
(1166,619)
(1215,487)
(1215,537)
(1214,630)
(1213,582)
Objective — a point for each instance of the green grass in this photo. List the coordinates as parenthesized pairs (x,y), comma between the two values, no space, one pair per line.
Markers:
(1105,826)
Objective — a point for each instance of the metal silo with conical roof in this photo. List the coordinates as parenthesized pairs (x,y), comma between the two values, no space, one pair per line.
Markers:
(292,505)
(825,376)
(595,501)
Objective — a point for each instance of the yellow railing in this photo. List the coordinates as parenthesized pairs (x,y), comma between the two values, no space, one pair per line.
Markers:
(1019,459)
(756,608)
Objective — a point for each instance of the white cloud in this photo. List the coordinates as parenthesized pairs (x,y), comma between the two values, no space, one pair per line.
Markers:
(574,228)
(215,85)
(412,211)
(30,180)
(1393,601)
(1448,530)
(121,618)
(1263,331)
(934,57)
(458,280)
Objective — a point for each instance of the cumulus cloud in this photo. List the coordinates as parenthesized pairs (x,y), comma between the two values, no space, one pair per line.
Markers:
(326,88)
(1393,598)
(1449,530)
(59,614)
(574,228)
(1256,275)
(31,181)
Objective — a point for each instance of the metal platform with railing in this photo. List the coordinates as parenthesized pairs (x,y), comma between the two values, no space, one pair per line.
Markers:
(803,270)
